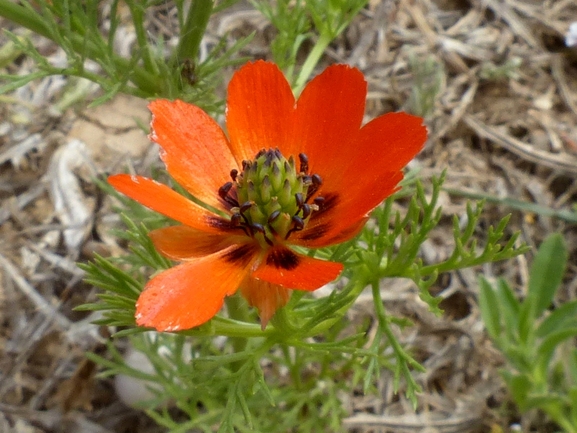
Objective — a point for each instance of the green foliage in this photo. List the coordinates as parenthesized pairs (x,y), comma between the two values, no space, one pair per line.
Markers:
(536,342)
(509,69)
(312,351)
(149,72)
(309,333)
(429,76)
(294,22)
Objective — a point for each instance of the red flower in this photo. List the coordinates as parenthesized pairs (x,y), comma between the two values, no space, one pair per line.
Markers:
(291,172)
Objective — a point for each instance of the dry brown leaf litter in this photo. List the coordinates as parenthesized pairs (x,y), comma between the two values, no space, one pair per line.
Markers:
(509,135)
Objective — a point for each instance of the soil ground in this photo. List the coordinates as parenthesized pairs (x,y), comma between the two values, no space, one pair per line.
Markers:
(503,123)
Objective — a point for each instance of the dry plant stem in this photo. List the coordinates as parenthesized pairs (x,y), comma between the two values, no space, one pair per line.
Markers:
(43,306)
(564,163)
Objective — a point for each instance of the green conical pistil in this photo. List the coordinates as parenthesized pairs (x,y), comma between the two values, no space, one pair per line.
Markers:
(276,177)
(271,196)
(265,189)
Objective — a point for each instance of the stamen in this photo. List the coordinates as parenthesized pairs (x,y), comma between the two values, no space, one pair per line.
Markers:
(245,206)
(223,190)
(304,160)
(223,194)
(273,216)
(306,211)
(235,222)
(259,228)
(233,174)
(319,201)
(316,183)
(300,200)
(298,224)
(235,219)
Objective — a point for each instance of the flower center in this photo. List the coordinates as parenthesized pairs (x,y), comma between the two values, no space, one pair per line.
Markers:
(270,199)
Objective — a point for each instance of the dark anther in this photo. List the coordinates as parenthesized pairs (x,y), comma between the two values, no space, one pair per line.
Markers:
(235,220)
(316,182)
(306,210)
(223,194)
(319,201)
(273,216)
(223,190)
(299,199)
(298,224)
(304,168)
(245,206)
(233,174)
(258,228)
(245,164)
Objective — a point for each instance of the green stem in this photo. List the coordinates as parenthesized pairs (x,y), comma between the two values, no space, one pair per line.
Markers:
(328,324)
(237,310)
(137,12)
(384,325)
(27,18)
(282,322)
(555,413)
(311,62)
(220,326)
(194,28)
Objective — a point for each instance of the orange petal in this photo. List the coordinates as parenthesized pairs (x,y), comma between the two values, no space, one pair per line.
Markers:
(259,109)
(337,235)
(328,116)
(384,145)
(190,294)
(183,242)
(371,174)
(194,148)
(164,200)
(343,215)
(266,297)
(295,271)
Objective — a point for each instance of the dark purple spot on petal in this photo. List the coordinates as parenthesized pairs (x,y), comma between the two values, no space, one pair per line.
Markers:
(315,232)
(219,223)
(282,259)
(240,255)
(331,199)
